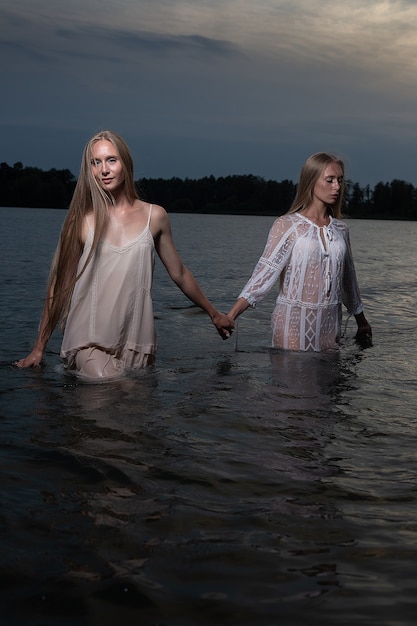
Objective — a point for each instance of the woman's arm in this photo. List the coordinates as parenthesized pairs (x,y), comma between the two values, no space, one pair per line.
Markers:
(34,358)
(181,275)
(352,298)
(268,269)
(238,308)
(364,333)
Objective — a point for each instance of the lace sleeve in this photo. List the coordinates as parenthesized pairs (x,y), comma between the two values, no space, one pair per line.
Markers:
(273,260)
(351,296)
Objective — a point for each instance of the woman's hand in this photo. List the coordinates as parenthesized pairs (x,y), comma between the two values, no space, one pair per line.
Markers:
(223,323)
(32,360)
(364,333)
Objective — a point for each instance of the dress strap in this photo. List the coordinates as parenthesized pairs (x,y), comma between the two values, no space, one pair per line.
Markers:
(149,216)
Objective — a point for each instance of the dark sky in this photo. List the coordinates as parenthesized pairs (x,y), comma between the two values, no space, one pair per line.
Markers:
(212,87)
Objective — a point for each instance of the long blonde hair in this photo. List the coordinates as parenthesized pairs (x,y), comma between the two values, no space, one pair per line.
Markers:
(88,197)
(309,175)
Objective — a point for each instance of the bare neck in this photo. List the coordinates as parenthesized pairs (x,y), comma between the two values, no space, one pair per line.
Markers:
(317,213)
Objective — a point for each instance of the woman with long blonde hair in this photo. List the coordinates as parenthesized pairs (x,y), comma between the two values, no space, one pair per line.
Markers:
(308,251)
(100,281)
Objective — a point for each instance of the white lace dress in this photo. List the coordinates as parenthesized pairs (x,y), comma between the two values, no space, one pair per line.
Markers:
(316,275)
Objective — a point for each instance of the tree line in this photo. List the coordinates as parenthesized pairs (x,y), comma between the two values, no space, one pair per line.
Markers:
(238,194)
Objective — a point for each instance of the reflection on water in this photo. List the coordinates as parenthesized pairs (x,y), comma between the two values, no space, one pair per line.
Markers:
(229,484)
(167,479)
(309,379)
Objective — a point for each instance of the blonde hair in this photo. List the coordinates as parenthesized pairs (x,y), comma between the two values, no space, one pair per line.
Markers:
(88,197)
(309,175)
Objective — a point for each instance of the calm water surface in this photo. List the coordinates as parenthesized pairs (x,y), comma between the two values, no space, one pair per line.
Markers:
(232,484)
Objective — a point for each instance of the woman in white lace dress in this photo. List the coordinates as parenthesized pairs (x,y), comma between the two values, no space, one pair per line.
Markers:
(101,278)
(308,251)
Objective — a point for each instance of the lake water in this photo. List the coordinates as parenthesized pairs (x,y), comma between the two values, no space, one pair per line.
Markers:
(229,485)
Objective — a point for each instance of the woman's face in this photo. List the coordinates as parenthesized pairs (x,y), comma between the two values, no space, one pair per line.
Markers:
(329,184)
(107,166)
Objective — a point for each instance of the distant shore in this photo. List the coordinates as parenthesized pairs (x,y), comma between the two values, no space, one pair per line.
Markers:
(232,195)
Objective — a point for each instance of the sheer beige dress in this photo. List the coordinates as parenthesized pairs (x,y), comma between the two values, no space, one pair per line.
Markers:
(110,326)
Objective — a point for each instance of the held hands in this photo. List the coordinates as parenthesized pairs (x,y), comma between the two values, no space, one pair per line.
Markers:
(224,324)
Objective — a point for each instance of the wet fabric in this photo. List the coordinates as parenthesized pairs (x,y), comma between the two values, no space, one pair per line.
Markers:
(111,308)
(316,274)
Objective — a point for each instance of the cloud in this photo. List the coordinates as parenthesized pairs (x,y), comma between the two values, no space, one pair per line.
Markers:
(147,42)
(215,77)
(35,39)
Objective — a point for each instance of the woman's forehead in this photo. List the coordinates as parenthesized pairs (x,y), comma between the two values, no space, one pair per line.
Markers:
(333,169)
(103,146)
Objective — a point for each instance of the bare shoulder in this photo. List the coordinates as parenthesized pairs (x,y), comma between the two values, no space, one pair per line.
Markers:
(158,212)
(159,219)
